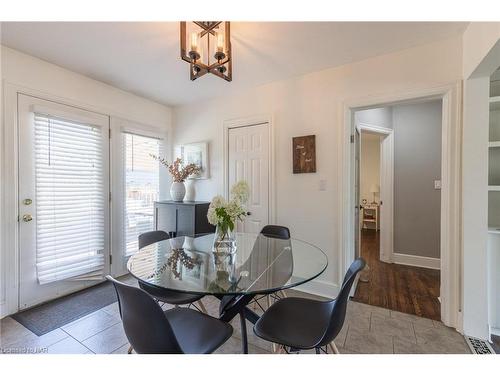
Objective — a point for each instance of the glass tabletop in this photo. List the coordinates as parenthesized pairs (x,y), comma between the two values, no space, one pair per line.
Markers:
(260,265)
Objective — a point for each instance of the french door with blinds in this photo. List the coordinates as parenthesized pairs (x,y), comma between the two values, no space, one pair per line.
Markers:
(136,185)
(64,221)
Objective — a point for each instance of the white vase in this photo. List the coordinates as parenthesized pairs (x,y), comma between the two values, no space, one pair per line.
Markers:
(190,191)
(177,191)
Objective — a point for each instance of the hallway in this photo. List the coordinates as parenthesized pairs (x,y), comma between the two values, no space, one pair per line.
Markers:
(411,290)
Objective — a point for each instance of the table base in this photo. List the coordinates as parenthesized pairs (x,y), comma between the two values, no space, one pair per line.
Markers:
(230,306)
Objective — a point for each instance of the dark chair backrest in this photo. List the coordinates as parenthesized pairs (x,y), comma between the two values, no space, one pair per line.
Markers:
(147,238)
(340,303)
(144,322)
(276,231)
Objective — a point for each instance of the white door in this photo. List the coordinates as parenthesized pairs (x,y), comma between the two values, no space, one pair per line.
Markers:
(386,197)
(63,199)
(357,204)
(249,160)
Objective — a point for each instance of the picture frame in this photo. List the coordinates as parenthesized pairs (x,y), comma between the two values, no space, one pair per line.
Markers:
(196,153)
(304,154)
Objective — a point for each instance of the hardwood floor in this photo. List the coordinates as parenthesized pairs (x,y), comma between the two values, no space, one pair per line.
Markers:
(495,343)
(412,290)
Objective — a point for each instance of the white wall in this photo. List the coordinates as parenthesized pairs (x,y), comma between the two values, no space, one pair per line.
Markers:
(478,40)
(374,116)
(481,57)
(2,252)
(370,166)
(313,104)
(29,74)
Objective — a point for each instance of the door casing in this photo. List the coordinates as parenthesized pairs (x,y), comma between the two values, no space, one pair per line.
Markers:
(451,214)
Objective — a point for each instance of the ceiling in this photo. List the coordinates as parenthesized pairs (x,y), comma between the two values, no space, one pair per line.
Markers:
(143,57)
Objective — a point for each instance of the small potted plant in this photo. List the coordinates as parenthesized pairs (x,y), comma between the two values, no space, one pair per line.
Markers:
(225,214)
(179,173)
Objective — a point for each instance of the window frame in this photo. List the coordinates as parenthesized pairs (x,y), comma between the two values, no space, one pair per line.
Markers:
(118,127)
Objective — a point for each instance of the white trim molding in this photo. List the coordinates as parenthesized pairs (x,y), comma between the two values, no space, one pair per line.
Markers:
(416,261)
(320,288)
(451,217)
(369,128)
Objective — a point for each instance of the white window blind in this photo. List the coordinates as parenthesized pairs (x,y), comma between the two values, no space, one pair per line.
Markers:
(142,187)
(69,199)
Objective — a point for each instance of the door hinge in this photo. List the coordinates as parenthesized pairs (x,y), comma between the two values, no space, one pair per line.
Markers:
(110,258)
(109,133)
(352,138)
(110,196)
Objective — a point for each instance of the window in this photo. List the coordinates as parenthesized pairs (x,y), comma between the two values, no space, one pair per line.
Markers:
(70,195)
(141,187)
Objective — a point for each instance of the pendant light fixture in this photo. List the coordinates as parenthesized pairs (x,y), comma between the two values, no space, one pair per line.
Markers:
(206,46)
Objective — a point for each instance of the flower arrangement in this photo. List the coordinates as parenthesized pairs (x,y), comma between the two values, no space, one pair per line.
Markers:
(224,214)
(177,170)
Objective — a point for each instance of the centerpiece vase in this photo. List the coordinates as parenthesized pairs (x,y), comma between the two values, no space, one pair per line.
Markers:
(224,241)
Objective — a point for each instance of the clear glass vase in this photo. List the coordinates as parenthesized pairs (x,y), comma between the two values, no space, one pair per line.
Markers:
(224,241)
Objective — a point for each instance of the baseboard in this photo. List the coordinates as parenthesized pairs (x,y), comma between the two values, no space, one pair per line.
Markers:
(319,288)
(417,261)
(3,310)
(495,331)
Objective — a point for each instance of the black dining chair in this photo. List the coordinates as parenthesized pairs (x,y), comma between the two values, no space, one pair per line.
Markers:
(276,231)
(282,233)
(302,324)
(150,330)
(160,294)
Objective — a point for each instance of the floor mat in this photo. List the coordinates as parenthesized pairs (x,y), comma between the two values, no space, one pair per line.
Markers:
(57,313)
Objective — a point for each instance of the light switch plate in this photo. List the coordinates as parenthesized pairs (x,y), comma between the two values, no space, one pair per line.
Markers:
(437,184)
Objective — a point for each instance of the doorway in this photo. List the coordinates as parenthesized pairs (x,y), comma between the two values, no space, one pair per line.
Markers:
(399,204)
(249,159)
(63,199)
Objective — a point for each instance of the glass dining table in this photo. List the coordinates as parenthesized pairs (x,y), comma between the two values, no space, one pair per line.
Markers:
(261,265)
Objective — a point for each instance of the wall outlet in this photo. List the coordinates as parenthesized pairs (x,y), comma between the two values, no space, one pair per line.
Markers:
(437,184)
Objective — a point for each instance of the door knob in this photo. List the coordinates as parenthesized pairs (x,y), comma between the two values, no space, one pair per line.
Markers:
(27,218)
(27,201)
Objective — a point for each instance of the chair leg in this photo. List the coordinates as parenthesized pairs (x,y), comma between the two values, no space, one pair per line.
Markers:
(333,347)
(318,351)
(283,294)
(202,307)
(130,349)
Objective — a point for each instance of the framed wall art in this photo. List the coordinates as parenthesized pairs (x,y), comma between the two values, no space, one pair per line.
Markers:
(196,153)
(304,154)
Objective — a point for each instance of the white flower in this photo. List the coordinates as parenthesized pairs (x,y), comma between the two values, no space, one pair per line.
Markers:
(221,212)
(217,202)
(234,209)
(240,191)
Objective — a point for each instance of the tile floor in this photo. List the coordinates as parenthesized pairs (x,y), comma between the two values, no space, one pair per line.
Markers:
(368,329)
